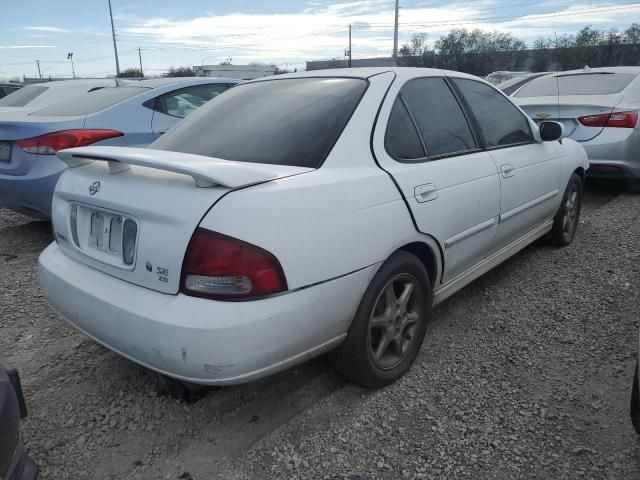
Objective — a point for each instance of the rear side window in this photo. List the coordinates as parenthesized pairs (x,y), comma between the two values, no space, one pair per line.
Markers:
(284,122)
(401,140)
(182,102)
(599,83)
(91,102)
(500,122)
(23,96)
(438,115)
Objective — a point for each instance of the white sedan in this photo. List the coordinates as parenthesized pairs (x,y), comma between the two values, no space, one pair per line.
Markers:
(302,214)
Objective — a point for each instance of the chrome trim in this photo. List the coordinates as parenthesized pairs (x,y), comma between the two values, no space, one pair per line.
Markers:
(449,242)
(525,206)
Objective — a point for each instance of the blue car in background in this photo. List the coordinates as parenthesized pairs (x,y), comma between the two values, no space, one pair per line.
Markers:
(131,113)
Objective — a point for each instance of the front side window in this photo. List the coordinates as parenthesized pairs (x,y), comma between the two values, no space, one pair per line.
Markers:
(292,122)
(438,116)
(500,122)
(182,102)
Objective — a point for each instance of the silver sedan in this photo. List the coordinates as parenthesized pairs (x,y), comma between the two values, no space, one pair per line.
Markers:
(599,108)
(133,114)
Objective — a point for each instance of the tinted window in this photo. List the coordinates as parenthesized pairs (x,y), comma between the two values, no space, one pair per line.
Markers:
(23,96)
(500,121)
(438,115)
(284,122)
(91,102)
(581,84)
(181,103)
(402,140)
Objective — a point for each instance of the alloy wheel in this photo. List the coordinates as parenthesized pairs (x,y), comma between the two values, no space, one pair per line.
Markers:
(394,321)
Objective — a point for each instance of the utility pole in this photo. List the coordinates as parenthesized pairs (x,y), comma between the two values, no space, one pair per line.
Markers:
(395,35)
(140,57)
(39,72)
(70,57)
(349,45)
(113,34)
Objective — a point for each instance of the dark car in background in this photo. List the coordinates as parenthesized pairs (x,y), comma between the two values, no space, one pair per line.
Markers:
(14,462)
(7,88)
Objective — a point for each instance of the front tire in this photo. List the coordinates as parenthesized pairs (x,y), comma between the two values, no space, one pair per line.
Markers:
(390,324)
(566,220)
(635,402)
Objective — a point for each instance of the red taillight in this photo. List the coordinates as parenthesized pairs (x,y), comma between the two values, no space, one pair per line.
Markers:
(50,143)
(616,119)
(220,267)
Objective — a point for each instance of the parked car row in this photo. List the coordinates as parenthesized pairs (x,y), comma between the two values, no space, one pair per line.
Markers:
(299,214)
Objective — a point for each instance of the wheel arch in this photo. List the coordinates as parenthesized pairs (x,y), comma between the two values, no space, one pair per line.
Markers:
(429,255)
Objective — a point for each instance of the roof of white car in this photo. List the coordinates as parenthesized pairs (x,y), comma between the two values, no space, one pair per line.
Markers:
(367,72)
(635,70)
(159,82)
(80,82)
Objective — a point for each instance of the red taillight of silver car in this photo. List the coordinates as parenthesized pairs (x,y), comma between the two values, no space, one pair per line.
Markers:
(224,268)
(50,143)
(616,119)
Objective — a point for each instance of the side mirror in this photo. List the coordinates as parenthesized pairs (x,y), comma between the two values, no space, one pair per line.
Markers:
(551,131)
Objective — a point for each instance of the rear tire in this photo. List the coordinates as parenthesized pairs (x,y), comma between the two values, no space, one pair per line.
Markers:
(566,220)
(389,326)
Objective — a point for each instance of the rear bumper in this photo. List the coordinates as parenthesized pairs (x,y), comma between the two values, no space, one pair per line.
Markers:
(615,153)
(198,340)
(32,193)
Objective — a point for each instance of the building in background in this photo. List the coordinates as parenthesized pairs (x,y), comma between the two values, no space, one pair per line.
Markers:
(356,62)
(243,72)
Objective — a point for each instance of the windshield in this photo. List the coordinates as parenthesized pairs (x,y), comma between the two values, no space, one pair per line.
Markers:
(91,102)
(580,84)
(284,122)
(22,97)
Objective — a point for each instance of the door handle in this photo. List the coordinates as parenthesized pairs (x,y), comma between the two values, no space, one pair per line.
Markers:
(507,170)
(425,193)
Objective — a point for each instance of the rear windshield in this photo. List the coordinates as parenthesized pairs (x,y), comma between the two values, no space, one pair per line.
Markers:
(91,102)
(581,84)
(284,122)
(21,97)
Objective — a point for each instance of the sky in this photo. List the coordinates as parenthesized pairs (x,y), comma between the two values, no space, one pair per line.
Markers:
(284,32)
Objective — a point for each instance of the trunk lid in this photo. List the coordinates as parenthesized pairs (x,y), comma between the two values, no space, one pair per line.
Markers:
(161,196)
(567,110)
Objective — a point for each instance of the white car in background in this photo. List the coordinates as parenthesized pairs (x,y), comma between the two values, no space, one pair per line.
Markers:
(302,214)
(598,108)
(39,95)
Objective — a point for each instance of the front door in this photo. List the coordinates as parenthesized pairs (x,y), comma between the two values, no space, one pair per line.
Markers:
(423,139)
(530,171)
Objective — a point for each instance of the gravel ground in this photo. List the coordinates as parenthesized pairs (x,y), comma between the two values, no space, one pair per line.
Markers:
(524,374)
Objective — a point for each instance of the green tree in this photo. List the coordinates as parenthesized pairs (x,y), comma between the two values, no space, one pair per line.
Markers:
(180,72)
(131,73)
(416,52)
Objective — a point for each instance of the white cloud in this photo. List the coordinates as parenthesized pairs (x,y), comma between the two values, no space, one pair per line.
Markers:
(25,46)
(47,28)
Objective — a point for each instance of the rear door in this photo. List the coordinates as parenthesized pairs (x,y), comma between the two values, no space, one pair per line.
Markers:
(171,107)
(530,171)
(450,184)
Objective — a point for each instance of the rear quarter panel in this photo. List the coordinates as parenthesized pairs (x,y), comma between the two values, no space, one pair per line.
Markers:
(343,217)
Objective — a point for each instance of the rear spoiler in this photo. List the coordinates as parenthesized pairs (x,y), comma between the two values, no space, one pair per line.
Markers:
(205,171)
